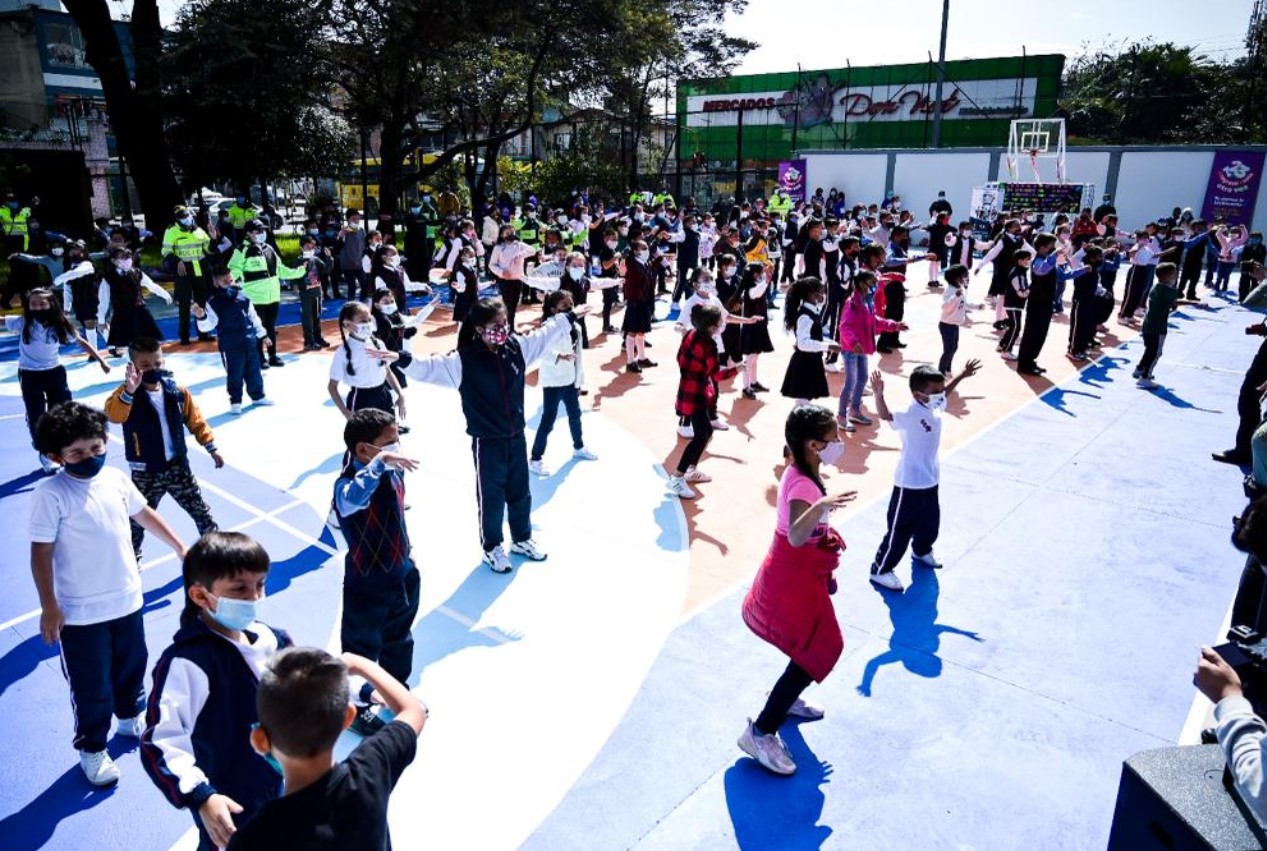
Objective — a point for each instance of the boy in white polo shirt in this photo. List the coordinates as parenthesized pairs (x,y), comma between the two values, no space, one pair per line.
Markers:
(88,580)
(914,512)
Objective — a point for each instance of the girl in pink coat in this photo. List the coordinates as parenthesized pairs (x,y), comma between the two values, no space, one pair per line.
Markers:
(858,327)
(789,604)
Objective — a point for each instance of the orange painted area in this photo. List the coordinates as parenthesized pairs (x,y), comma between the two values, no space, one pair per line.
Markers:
(731,523)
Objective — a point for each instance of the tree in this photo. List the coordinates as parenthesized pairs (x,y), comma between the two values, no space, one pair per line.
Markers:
(135,112)
(1145,92)
(248,99)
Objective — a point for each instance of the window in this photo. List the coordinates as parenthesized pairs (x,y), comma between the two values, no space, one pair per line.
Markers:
(64,46)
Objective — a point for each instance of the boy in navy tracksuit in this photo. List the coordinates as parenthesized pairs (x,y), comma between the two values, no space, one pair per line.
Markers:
(1082,313)
(158,456)
(380,581)
(240,330)
(196,746)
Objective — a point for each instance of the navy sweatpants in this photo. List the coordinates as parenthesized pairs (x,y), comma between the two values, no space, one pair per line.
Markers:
(105,666)
(42,389)
(242,363)
(501,483)
(379,624)
(914,520)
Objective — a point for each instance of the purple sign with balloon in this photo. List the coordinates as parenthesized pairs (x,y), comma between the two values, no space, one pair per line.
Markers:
(792,179)
(1233,188)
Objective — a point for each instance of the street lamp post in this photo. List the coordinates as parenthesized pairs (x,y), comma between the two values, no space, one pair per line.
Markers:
(941,73)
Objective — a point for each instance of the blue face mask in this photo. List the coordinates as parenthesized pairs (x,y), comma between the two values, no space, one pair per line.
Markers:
(234,614)
(268,757)
(86,468)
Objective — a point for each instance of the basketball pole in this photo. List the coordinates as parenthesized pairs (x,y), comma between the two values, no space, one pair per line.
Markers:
(941,72)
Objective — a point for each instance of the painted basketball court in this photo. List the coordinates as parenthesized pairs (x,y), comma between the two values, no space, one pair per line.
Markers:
(593,700)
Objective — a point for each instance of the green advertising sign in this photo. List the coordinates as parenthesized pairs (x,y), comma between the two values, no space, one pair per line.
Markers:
(762,118)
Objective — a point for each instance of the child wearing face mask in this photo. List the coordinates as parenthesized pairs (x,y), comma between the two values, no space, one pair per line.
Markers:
(488,371)
(196,747)
(228,309)
(88,581)
(789,604)
(705,293)
(371,383)
(506,264)
(754,339)
(316,265)
(380,580)
(155,412)
(639,289)
(464,284)
(575,281)
(609,269)
(42,330)
(806,377)
(914,515)
(390,275)
(858,327)
(130,318)
(393,327)
(560,376)
(1014,299)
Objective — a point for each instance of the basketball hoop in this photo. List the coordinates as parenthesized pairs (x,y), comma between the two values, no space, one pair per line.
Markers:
(1041,139)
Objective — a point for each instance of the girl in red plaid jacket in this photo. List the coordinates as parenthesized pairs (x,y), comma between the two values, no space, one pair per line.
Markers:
(700,366)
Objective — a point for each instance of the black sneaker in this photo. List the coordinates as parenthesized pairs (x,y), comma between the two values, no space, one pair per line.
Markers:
(749,393)
(646,343)
(760,388)
(366,723)
(276,361)
(633,367)
(646,362)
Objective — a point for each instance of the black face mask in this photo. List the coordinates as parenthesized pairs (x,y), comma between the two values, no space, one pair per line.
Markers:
(44,317)
(153,376)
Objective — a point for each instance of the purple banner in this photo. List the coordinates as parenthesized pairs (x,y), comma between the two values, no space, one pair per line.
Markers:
(792,179)
(1233,188)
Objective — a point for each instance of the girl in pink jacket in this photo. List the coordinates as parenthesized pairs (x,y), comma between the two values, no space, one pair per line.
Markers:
(858,327)
(1229,245)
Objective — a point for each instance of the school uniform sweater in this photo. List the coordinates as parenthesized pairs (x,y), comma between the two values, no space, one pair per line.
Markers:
(198,722)
(369,500)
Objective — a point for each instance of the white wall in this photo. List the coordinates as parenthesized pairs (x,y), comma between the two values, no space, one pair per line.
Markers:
(861,176)
(918,177)
(1088,167)
(1151,183)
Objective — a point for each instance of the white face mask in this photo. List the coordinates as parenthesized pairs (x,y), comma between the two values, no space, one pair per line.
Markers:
(576,273)
(469,264)
(57,252)
(387,309)
(832,452)
(308,255)
(642,256)
(814,306)
(937,401)
(612,245)
(363,330)
(391,262)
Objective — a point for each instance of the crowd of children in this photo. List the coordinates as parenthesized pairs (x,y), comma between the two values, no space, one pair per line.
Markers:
(240,726)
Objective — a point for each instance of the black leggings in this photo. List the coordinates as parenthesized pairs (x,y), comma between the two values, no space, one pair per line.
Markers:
(793,681)
(268,318)
(42,389)
(510,292)
(703,433)
(610,296)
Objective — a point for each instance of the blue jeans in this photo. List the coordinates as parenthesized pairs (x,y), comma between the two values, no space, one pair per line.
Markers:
(949,345)
(855,382)
(570,398)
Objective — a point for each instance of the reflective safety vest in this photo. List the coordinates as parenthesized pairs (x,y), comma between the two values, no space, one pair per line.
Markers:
(260,270)
(781,205)
(239,216)
(187,245)
(529,230)
(14,224)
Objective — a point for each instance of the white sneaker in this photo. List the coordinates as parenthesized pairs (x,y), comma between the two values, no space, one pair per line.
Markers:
(887,580)
(99,768)
(584,454)
(1147,384)
(131,727)
(1007,356)
(767,750)
(860,418)
(265,402)
(539,468)
(678,486)
(528,548)
(236,409)
(927,559)
(686,431)
(48,465)
(694,475)
(497,559)
(835,367)
(802,708)
(719,425)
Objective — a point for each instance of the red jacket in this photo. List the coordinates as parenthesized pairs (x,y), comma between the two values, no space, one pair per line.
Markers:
(790,607)
(700,367)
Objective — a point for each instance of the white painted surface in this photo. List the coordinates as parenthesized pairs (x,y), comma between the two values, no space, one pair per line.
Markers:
(1150,184)
(918,177)
(861,176)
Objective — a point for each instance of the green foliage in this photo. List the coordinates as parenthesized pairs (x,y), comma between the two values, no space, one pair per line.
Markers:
(1146,92)
(246,92)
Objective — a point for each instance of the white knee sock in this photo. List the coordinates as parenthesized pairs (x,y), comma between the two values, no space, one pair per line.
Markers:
(750,370)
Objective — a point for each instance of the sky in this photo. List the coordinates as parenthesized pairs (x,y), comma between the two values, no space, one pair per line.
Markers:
(787,32)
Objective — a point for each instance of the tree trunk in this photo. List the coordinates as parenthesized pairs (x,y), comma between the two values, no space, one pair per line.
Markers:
(390,159)
(135,114)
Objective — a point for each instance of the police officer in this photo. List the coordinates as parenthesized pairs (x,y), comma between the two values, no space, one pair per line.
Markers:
(256,264)
(185,248)
(241,213)
(13,224)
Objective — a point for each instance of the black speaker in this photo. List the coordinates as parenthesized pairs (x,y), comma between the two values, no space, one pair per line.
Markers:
(1174,799)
